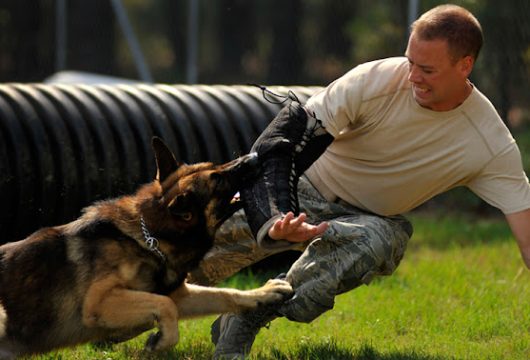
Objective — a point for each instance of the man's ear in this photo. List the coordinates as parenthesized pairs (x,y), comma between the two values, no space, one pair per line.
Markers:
(166,163)
(466,65)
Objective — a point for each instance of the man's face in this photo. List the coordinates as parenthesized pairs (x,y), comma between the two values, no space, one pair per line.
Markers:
(438,83)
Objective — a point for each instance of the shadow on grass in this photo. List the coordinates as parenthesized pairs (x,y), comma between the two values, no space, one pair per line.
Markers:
(332,351)
(198,350)
(195,352)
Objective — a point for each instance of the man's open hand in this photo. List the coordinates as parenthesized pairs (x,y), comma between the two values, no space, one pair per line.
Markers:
(295,229)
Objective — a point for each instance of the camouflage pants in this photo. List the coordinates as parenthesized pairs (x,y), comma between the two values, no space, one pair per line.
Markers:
(356,247)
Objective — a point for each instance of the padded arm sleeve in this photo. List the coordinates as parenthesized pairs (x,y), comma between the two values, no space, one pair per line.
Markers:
(286,148)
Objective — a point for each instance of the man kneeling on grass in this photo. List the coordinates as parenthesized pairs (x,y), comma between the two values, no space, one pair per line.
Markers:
(376,143)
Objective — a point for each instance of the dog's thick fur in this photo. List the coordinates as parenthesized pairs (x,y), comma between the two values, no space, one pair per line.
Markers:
(96,279)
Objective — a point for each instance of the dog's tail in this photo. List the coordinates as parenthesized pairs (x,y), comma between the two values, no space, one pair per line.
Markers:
(3,321)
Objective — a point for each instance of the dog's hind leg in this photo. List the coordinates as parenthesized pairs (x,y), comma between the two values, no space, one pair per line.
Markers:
(122,309)
(6,347)
(3,321)
(195,300)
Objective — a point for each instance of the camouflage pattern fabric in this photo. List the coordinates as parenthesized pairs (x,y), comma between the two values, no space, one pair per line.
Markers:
(355,248)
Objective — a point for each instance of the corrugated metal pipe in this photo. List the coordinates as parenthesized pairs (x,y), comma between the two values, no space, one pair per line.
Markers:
(65,146)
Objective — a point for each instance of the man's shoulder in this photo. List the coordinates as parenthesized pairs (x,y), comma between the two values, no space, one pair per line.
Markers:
(386,64)
(486,121)
(382,77)
(393,66)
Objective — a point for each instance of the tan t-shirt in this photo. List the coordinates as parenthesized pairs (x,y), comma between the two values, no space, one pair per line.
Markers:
(390,155)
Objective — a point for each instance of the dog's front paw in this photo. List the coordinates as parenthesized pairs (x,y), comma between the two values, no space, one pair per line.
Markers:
(276,290)
(152,341)
(159,341)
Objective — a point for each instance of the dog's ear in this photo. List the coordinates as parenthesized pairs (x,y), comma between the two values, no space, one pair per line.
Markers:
(165,160)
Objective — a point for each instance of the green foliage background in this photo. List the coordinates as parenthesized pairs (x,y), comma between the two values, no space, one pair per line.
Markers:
(284,42)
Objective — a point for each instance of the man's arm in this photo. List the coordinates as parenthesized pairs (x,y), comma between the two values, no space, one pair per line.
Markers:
(520,224)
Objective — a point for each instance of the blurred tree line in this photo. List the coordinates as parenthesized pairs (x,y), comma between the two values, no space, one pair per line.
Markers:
(309,42)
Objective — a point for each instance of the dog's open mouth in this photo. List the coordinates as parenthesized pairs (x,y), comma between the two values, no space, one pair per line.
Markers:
(236,199)
(234,205)
(228,207)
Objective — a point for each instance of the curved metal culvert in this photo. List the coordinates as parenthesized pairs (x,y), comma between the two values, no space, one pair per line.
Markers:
(65,146)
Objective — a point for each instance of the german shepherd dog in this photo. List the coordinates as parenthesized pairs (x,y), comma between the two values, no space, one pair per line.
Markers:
(120,268)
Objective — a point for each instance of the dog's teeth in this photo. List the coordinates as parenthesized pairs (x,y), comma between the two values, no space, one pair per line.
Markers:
(236,198)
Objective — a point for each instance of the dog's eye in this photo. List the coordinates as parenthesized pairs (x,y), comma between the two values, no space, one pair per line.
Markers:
(182,206)
(186,216)
(183,215)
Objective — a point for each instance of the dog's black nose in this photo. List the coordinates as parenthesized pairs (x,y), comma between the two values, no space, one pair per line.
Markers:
(248,161)
(252,163)
(253,159)
(246,166)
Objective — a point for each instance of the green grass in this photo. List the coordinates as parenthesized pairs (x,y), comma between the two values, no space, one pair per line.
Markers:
(461,292)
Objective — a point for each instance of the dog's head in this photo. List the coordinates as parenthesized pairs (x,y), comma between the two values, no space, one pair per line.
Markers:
(197,198)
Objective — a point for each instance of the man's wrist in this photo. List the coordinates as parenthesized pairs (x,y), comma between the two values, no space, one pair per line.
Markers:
(263,232)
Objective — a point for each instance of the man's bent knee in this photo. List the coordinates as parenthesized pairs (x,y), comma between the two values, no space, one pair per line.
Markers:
(348,255)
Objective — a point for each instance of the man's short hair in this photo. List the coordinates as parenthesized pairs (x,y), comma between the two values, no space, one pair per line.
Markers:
(452,23)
